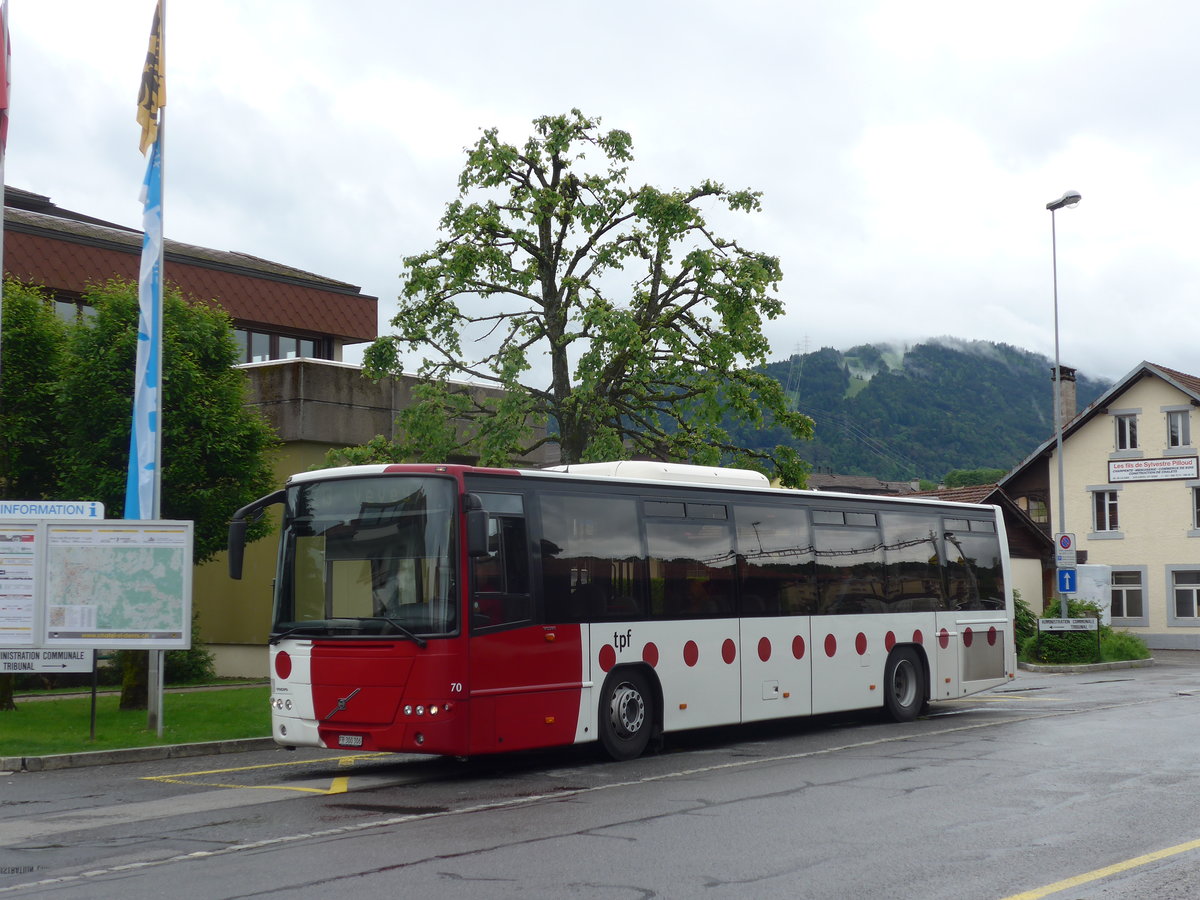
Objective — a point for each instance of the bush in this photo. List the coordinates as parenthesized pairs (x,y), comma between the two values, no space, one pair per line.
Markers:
(1119,645)
(1074,647)
(1024,619)
(1063,648)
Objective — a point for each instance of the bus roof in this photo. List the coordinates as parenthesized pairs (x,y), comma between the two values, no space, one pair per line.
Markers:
(631,471)
(662,471)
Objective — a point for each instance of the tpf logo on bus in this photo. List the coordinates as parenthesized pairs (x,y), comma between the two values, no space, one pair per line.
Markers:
(622,641)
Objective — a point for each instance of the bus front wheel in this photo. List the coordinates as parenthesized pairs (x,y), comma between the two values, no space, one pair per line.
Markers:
(626,714)
(903,691)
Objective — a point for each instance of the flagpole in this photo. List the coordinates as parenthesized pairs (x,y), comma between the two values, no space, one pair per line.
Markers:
(143,490)
(5,62)
(156,673)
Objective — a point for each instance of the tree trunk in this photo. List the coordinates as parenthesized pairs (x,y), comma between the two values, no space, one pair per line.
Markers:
(6,692)
(135,679)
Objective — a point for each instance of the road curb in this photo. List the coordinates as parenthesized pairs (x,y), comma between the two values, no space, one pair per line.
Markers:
(1087,667)
(130,755)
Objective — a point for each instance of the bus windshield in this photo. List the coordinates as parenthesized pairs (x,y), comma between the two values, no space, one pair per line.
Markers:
(370,556)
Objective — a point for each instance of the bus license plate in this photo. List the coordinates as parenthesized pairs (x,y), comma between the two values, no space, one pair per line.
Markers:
(349,740)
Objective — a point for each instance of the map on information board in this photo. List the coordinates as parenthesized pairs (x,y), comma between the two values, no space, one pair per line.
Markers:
(119,584)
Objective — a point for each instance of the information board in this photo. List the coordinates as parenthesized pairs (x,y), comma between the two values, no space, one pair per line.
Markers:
(112,584)
(18,578)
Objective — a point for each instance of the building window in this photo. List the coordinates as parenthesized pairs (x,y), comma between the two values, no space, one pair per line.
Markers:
(1105,504)
(1127,595)
(1038,511)
(1127,436)
(74,311)
(260,346)
(1187,594)
(1178,428)
(1196,508)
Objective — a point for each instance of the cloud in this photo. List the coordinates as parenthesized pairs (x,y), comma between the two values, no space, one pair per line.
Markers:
(905,152)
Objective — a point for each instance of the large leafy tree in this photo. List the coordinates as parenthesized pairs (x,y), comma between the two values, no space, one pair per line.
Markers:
(33,340)
(614,315)
(216,451)
(71,433)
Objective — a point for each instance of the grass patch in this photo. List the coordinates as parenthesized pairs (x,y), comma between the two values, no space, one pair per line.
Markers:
(45,727)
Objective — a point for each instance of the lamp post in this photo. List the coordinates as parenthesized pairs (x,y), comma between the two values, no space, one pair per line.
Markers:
(1067,200)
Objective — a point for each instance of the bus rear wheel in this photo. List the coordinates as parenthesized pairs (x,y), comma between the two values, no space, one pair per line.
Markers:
(626,714)
(903,691)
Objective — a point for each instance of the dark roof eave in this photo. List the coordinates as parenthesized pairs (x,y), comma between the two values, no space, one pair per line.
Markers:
(174,251)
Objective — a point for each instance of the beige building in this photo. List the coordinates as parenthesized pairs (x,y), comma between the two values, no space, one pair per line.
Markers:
(1132,499)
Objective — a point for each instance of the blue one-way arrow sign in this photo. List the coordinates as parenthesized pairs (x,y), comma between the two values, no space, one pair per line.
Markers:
(1066,581)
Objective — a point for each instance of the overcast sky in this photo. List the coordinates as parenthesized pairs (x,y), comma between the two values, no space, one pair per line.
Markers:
(905,151)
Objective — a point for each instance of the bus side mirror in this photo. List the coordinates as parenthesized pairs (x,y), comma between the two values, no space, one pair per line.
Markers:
(237,546)
(477,526)
(477,532)
(251,512)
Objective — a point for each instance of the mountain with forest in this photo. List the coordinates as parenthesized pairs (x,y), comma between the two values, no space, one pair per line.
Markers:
(920,411)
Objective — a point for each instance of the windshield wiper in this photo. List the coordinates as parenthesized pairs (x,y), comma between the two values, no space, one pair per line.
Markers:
(419,641)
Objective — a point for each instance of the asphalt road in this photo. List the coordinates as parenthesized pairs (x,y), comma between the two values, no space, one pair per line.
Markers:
(1065,786)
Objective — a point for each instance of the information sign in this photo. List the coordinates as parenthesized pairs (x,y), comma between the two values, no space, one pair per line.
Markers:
(18,577)
(113,584)
(51,509)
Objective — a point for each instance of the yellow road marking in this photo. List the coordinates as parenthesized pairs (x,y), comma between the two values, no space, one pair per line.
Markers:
(1097,874)
(340,784)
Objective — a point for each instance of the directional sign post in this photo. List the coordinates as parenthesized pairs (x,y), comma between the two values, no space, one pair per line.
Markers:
(1062,626)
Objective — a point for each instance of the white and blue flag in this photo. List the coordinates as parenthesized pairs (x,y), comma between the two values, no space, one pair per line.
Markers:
(144,436)
(143,485)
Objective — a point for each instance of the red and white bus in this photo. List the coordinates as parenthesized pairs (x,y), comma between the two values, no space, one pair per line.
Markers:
(460,610)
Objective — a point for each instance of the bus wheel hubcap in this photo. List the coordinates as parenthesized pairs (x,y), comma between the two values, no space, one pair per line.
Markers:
(628,710)
(904,684)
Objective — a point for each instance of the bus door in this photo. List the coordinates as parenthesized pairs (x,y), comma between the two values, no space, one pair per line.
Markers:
(974,635)
(524,676)
(945,661)
(775,571)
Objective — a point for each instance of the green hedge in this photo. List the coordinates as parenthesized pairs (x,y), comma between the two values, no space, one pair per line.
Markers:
(1075,647)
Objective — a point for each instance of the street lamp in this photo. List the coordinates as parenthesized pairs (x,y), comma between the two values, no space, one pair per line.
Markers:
(1067,200)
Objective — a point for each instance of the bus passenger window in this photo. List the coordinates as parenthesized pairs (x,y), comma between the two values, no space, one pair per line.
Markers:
(849,563)
(691,568)
(501,578)
(974,571)
(912,563)
(593,567)
(775,555)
